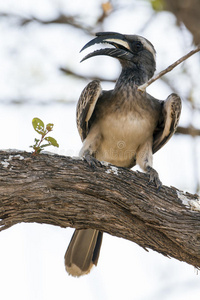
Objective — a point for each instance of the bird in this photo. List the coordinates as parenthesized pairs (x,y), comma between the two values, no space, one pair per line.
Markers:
(123,127)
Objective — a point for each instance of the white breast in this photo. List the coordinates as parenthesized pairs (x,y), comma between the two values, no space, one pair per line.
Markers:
(121,137)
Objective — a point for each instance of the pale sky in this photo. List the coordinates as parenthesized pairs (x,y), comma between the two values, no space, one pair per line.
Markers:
(32,255)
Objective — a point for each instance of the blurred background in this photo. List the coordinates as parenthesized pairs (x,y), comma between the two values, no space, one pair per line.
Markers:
(40,76)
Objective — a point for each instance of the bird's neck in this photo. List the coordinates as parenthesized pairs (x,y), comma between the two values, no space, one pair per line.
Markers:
(133,76)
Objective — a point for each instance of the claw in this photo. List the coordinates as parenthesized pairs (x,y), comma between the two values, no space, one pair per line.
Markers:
(154,177)
(92,161)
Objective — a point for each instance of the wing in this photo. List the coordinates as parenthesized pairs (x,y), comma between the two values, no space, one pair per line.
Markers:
(86,106)
(168,122)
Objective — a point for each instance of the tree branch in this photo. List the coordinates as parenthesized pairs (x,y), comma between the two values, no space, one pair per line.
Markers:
(65,191)
(70,72)
(191,130)
(60,19)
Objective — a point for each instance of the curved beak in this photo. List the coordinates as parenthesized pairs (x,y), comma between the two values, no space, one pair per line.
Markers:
(121,50)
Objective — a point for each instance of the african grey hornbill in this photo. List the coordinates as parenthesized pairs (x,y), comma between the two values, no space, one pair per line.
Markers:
(123,126)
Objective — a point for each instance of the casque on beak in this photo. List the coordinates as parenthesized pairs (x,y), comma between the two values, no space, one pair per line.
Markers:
(121,50)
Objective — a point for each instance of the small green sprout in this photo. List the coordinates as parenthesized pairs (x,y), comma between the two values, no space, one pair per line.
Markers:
(39,127)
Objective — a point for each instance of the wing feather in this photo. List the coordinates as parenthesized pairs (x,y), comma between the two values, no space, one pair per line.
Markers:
(168,122)
(86,106)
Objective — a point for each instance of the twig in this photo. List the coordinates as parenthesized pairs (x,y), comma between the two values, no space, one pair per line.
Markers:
(168,69)
(61,19)
(78,75)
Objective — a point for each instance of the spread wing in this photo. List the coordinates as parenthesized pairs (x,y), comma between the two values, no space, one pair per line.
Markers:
(86,106)
(168,122)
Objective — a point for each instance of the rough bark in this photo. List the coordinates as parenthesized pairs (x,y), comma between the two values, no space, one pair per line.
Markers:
(65,191)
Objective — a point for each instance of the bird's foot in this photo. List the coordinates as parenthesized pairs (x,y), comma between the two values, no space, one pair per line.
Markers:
(154,177)
(92,161)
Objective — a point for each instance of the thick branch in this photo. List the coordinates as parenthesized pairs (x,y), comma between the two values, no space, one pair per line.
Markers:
(65,191)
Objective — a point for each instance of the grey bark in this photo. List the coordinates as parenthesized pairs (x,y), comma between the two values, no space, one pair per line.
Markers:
(67,192)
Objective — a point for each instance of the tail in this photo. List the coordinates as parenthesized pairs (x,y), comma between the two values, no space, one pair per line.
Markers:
(83,251)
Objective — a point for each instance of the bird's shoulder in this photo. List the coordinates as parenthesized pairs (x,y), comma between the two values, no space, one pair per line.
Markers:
(86,106)
(167,121)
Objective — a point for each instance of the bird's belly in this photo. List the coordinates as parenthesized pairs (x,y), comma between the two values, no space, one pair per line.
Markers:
(121,138)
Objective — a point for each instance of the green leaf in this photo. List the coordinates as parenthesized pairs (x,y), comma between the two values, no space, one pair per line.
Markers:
(45,145)
(49,126)
(38,125)
(51,141)
(36,141)
(157,5)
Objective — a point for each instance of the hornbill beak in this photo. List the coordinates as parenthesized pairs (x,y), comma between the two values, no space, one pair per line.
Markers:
(121,51)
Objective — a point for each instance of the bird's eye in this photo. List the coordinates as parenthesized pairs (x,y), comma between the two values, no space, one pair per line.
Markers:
(137,46)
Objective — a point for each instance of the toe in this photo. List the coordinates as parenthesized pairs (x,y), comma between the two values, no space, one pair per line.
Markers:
(92,161)
(154,177)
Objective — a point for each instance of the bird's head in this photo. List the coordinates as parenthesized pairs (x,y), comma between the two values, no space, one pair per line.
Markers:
(131,50)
